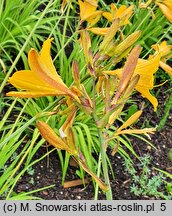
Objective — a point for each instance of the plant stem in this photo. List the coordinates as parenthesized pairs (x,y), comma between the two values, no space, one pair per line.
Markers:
(102,147)
(104,164)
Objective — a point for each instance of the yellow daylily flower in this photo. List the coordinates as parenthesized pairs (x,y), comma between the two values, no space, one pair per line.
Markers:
(165,51)
(166,8)
(88,11)
(42,78)
(146,70)
(123,13)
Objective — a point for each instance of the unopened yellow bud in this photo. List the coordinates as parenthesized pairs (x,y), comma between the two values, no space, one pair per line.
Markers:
(131,120)
(125,44)
(86,44)
(110,35)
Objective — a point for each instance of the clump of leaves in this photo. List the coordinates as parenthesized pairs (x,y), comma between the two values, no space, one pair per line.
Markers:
(99,97)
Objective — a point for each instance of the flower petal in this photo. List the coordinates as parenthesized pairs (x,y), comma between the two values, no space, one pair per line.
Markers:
(46,57)
(166,68)
(149,66)
(163,48)
(145,93)
(28,80)
(146,69)
(37,65)
(166,11)
(108,16)
(32,94)
(168,3)
(86,9)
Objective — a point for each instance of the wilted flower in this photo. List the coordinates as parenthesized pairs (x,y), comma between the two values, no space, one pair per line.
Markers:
(52,138)
(67,144)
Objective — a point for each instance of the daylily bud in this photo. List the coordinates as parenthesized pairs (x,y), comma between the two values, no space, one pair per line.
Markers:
(123,13)
(68,123)
(75,72)
(110,35)
(128,71)
(114,115)
(71,139)
(105,119)
(88,11)
(131,86)
(100,84)
(86,44)
(86,102)
(122,55)
(125,44)
(166,9)
(99,31)
(134,131)
(131,120)
(67,110)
